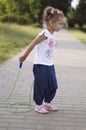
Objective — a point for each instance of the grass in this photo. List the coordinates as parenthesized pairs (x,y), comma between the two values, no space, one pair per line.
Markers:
(13,38)
(79,34)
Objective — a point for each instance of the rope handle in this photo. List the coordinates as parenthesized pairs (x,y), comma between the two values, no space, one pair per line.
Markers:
(20,65)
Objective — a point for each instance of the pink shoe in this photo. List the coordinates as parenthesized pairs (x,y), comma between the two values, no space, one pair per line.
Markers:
(41,109)
(49,107)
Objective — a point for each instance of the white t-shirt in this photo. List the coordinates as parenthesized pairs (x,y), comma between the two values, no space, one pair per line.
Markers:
(44,51)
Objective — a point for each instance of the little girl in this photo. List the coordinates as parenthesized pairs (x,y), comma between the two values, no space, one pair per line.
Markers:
(45,83)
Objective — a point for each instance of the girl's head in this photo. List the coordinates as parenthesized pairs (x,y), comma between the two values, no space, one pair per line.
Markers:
(53,18)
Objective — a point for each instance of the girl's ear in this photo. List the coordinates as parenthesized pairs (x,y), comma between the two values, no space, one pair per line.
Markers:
(50,22)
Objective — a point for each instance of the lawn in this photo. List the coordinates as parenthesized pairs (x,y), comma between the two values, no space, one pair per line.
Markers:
(13,38)
(79,34)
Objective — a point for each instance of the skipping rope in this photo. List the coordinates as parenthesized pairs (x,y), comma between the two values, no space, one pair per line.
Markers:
(12,105)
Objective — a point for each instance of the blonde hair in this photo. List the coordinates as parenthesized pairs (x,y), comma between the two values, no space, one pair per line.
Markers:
(52,13)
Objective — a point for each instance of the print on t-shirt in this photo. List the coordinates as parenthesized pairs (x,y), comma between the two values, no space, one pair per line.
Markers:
(51,44)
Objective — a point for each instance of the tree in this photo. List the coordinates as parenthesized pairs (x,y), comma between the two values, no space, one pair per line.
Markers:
(80,14)
(34,6)
(18,10)
(15,11)
(63,5)
(71,18)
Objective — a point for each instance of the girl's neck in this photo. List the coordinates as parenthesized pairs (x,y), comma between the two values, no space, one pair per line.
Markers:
(50,30)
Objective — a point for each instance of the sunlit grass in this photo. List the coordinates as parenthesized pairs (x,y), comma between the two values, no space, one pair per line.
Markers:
(79,34)
(13,38)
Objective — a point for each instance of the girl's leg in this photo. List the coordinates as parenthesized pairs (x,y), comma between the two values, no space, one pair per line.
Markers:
(40,81)
(39,88)
(50,90)
(52,85)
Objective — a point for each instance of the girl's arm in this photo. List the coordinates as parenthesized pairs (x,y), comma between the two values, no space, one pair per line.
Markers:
(36,41)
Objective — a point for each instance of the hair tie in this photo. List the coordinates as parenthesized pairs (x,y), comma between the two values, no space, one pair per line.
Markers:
(52,11)
(59,12)
(55,10)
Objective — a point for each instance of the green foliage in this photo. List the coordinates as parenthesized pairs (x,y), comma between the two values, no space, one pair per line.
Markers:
(15,6)
(20,19)
(78,16)
(80,13)
(34,9)
(71,19)
(2,8)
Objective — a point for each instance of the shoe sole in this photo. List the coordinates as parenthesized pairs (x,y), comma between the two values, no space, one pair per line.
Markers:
(53,110)
(41,112)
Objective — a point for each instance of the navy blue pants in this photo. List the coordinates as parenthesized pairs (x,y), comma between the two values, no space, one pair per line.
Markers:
(45,83)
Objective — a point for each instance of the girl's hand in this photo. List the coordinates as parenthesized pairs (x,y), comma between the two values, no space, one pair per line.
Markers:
(22,58)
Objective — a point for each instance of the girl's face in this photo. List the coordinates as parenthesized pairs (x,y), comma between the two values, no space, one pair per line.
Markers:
(56,26)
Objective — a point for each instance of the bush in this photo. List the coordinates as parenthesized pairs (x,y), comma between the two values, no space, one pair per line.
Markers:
(20,19)
(8,18)
(23,19)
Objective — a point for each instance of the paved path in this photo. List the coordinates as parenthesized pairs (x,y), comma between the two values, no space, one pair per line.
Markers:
(70,63)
